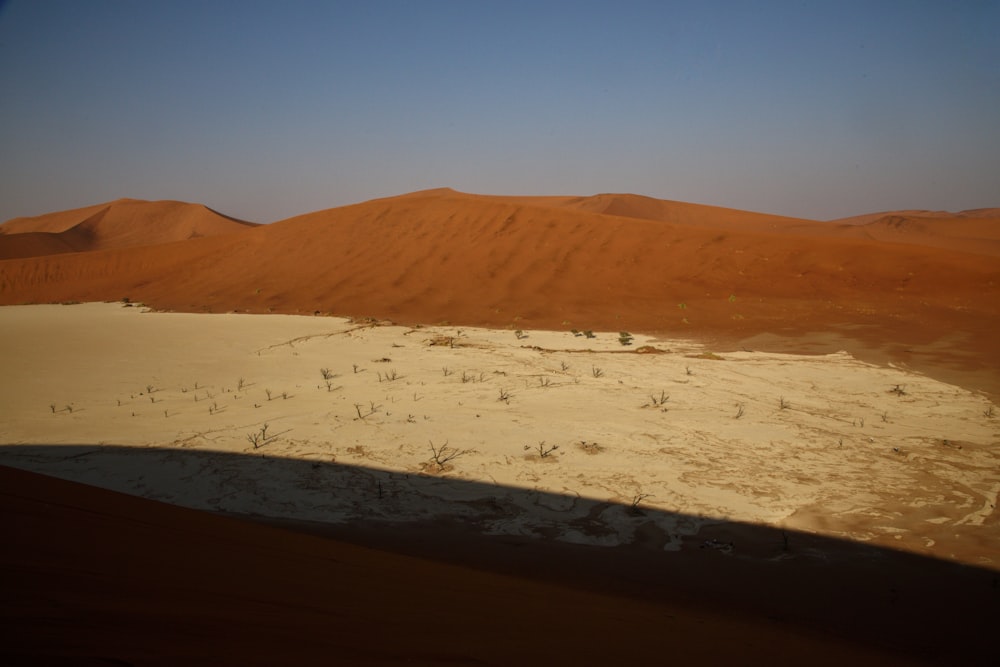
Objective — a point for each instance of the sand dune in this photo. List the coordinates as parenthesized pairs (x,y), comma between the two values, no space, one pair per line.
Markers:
(124,223)
(541,263)
(872,217)
(36,244)
(129,581)
(979,234)
(52,223)
(648,208)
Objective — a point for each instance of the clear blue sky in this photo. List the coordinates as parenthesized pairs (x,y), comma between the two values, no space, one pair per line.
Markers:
(265,110)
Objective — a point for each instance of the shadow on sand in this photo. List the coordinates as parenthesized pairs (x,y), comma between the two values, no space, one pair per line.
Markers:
(911,605)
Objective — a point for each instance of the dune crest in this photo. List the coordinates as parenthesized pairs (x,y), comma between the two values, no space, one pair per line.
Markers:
(123,223)
(978,234)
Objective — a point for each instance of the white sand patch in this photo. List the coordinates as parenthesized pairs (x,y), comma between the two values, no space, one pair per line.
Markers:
(564,432)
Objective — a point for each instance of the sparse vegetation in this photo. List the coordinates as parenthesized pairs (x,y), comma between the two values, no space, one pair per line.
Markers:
(443,454)
(590,447)
(596,372)
(739,411)
(372,409)
(563,366)
(589,334)
(782,403)
(898,390)
(988,412)
(657,401)
(326,373)
(259,438)
(634,508)
(543,449)
(504,396)
(519,334)
(268,392)
(625,338)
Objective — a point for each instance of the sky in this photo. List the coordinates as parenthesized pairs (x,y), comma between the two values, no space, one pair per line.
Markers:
(267,110)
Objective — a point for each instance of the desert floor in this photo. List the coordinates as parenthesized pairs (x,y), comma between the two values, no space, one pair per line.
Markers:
(578,439)
(735,505)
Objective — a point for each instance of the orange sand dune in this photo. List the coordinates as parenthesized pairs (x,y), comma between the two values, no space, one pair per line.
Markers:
(979,234)
(647,208)
(52,223)
(872,217)
(120,224)
(530,262)
(980,213)
(96,577)
(36,244)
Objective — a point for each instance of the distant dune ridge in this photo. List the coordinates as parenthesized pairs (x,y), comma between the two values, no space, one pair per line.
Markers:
(123,223)
(612,261)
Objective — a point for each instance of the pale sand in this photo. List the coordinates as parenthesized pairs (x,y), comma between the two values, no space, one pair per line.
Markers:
(845,456)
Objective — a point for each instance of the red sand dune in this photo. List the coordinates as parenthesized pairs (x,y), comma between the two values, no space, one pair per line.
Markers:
(977,234)
(617,262)
(119,224)
(96,577)
(872,217)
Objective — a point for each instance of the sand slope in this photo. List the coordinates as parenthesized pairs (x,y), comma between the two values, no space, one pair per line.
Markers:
(977,235)
(123,223)
(94,577)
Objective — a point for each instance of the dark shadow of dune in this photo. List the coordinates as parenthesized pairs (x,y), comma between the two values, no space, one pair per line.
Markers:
(430,569)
